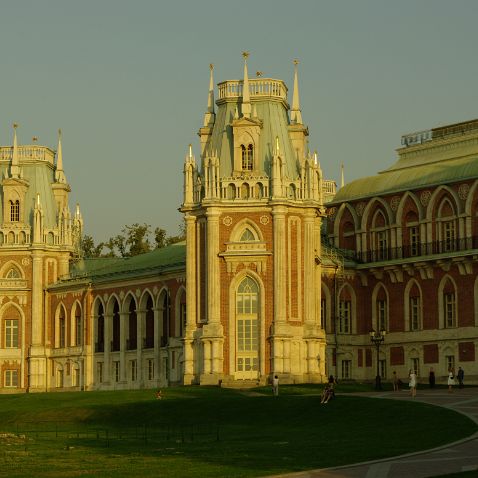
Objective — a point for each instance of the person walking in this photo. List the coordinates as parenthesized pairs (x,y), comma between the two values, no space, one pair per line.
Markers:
(461,376)
(431,378)
(395,382)
(275,386)
(413,383)
(451,380)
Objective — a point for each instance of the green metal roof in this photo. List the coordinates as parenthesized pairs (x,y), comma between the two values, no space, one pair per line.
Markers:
(112,268)
(398,179)
(275,123)
(40,177)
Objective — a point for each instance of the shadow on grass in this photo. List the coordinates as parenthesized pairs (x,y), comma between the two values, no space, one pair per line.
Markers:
(257,435)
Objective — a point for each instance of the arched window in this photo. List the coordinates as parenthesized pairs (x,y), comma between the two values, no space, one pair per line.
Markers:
(15,211)
(115,343)
(414,308)
(100,330)
(449,308)
(78,327)
(247,327)
(61,328)
(132,323)
(149,339)
(380,234)
(446,222)
(247,157)
(13,273)
(247,236)
(245,191)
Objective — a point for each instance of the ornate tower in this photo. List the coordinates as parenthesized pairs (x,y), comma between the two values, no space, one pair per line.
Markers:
(253,208)
(37,239)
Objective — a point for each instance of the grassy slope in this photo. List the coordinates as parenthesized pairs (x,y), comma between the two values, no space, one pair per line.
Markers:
(259,434)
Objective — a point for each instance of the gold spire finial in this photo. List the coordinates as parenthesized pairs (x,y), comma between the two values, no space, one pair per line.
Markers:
(59,132)
(245,55)
(15,125)
(35,139)
(259,74)
(211,66)
(296,62)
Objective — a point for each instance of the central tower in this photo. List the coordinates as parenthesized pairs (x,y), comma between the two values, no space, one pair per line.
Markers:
(253,208)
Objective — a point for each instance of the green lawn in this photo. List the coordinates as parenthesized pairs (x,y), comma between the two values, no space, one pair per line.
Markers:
(209,432)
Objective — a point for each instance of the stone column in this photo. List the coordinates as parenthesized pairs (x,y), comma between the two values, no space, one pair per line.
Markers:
(37,365)
(213,331)
(140,318)
(191,302)
(157,336)
(124,316)
(107,360)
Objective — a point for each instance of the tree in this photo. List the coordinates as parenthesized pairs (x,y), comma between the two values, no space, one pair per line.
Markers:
(137,238)
(88,248)
(159,237)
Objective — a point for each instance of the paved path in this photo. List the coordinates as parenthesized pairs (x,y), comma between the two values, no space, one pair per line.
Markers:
(451,458)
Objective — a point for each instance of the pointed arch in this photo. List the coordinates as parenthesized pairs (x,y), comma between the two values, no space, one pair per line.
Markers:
(164,312)
(338,219)
(401,207)
(346,310)
(147,308)
(131,325)
(113,321)
(436,195)
(243,309)
(241,226)
(369,209)
(12,270)
(98,310)
(413,306)
(12,326)
(77,324)
(380,307)
(447,303)
(60,326)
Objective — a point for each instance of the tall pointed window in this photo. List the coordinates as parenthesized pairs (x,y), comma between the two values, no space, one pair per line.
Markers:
(247,157)
(247,236)
(449,309)
(11,333)
(15,211)
(247,358)
(62,329)
(345,316)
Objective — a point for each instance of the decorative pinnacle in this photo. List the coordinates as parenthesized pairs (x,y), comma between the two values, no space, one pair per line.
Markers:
(245,55)
(211,66)
(35,139)
(296,62)
(59,132)
(15,125)
(259,74)
(190,150)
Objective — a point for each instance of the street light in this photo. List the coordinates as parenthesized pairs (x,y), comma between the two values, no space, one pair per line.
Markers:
(377,338)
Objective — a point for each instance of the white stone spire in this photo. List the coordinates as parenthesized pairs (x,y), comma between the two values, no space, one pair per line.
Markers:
(59,173)
(342,182)
(210,116)
(246,99)
(15,166)
(295,114)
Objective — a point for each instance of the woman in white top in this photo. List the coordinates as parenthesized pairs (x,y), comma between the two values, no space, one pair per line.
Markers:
(413,382)
(451,380)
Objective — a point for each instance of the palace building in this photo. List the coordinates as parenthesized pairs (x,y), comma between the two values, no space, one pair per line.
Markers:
(404,249)
(278,274)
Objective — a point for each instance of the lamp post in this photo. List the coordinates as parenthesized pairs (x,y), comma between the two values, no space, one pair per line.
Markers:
(377,339)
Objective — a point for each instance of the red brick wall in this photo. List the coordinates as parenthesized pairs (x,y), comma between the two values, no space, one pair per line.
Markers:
(430,353)
(397,356)
(466,351)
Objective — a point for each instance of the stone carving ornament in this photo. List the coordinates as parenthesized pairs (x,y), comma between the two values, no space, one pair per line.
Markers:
(360,208)
(463,191)
(264,220)
(394,202)
(425,197)
(227,221)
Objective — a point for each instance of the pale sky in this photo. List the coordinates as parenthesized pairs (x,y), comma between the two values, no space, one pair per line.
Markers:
(127,82)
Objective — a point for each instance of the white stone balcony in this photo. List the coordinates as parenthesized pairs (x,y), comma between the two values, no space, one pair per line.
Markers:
(258,87)
(32,152)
